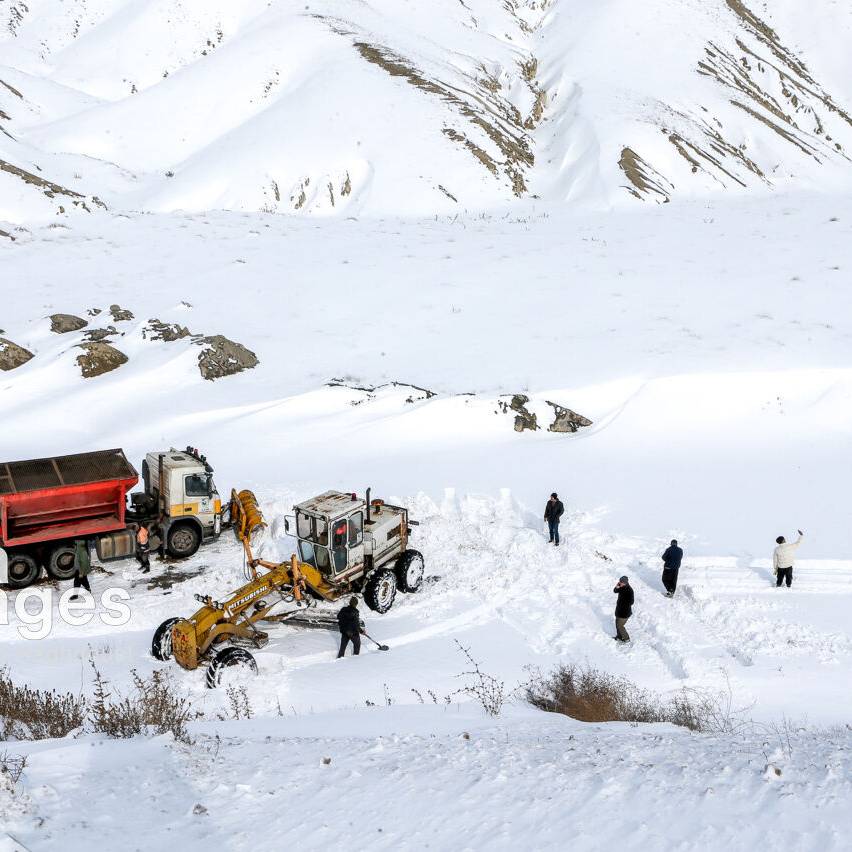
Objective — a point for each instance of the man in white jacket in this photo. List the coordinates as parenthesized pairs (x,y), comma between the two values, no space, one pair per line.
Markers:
(783,558)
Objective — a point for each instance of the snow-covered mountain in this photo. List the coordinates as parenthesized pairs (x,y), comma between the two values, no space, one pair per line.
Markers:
(390,107)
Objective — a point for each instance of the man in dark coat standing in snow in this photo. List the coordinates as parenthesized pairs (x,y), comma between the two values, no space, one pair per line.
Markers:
(623,608)
(82,567)
(553,511)
(350,627)
(671,565)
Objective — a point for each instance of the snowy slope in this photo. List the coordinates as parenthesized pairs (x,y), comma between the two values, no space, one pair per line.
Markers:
(429,778)
(709,345)
(337,107)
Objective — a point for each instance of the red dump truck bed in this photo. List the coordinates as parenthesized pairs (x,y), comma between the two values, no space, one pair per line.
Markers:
(63,497)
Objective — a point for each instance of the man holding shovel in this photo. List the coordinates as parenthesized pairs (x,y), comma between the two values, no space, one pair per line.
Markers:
(350,628)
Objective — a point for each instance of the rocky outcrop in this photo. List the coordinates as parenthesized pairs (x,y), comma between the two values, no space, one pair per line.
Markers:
(12,356)
(64,323)
(99,358)
(169,332)
(566,420)
(96,335)
(120,314)
(221,357)
(524,418)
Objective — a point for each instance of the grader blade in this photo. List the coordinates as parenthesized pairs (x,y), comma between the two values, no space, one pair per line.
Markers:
(246,515)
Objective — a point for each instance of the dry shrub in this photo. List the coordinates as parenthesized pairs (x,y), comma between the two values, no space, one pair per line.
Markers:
(36,714)
(485,688)
(591,695)
(12,766)
(154,707)
(239,703)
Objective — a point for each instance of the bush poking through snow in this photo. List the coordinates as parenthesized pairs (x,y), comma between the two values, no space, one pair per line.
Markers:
(486,689)
(154,707)
(239,704)
(35,714)
(12,766)
(590,695)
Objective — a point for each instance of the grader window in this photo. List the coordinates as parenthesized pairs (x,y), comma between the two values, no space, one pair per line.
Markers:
(356,529)
(339,536)
(338,545)
(312,529)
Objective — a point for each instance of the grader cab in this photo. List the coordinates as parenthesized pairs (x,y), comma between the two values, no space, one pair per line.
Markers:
(345,544)
(358,545)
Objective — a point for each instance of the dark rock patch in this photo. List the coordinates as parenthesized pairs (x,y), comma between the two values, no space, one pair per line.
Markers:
(169,332)
(12,356)
(96,335)
(222,357)
(120,314)
(99,358)
(417,393)
(63,323)
(566,420)
(524,418)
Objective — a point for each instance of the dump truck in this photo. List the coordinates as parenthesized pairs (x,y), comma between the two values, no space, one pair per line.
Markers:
(346,544)
(48,504)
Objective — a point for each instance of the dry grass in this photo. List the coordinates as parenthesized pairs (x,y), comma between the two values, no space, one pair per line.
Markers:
(36,714)
(591,695)
(153,707)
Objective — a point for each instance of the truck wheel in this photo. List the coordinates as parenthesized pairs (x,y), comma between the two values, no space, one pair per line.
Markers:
(409,571)
(23,570)
(225,659)
(161,644)
(380,590)
(60,565)
(182,540)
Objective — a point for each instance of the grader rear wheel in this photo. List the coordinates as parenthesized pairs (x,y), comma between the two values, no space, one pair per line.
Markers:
(409,571)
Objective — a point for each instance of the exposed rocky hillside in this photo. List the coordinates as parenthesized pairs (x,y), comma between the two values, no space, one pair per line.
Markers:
(337,106)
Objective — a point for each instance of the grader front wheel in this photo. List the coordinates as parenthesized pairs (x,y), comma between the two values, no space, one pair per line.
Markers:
(229,657)
(380,591)
(161,644)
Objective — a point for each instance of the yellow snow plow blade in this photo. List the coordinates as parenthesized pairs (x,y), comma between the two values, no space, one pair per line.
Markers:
(245,515)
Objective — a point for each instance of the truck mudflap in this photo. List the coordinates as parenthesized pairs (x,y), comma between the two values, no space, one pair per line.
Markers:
(4,567)
(184,644)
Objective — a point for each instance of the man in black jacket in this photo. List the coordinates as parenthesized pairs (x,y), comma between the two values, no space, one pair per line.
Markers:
(623,609)
(552,513)
(350,627)
(671,565)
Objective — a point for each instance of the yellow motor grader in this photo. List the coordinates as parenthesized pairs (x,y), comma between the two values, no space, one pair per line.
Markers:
(346,545)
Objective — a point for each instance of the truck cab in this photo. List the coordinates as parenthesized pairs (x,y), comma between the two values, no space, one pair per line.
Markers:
(181,483)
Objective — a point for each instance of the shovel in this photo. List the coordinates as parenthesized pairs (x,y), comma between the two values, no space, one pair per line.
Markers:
(380,647)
